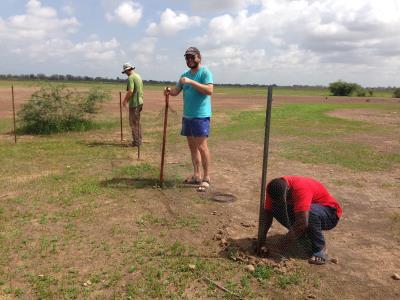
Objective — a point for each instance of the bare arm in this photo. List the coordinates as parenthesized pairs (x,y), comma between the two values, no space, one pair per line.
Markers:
(207,89)
(300,225)
(128,95)
(267,226)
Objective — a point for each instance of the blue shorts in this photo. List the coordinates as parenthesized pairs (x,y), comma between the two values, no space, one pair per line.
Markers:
(195,127)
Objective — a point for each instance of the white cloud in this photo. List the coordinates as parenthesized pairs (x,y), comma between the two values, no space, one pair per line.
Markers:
(40,36)
(221,5)
(34,8)
(68,9)
(128,12)
(37,23)
(172,22)
(333,31)
(145,54)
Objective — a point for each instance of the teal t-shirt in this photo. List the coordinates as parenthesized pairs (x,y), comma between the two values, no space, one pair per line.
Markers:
(196,104)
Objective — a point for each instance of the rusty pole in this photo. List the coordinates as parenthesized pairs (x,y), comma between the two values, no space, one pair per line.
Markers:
(120,114)
(164,139)
(13,106)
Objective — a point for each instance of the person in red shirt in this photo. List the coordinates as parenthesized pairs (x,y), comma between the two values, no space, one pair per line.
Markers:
(305,207)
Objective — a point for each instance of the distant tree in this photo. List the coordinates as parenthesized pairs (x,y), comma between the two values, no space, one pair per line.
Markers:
(342,88)
(396,93)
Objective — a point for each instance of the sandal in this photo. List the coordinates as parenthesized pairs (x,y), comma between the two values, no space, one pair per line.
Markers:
(192,180)
(318,258)
(204,186)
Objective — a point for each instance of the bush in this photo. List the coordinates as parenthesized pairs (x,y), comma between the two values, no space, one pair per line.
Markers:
(361,92)
(342,88)
(396,93)
(55,108)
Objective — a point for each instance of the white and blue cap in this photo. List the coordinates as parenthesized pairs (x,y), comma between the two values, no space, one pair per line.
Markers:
(127,67)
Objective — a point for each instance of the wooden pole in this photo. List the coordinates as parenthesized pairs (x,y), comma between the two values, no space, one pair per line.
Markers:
(120,114)
(261,220)
(164,139)
(13,106)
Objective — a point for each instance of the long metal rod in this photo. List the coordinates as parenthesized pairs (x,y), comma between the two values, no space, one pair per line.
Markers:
(120,114)
(13,106)
(261,220)
(164,139)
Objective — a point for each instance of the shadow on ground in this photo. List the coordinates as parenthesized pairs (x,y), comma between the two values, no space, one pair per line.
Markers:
(108,143)
(137,183)
(276,248)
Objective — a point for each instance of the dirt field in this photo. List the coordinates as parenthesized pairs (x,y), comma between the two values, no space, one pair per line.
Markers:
(155,100)
(365,242)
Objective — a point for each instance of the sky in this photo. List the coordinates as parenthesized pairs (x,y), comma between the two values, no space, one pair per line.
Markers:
(284,42)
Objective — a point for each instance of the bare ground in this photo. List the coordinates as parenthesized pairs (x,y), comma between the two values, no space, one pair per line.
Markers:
(365,242)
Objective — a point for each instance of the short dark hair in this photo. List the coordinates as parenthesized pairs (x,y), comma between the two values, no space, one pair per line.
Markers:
(193,51)
(276,189)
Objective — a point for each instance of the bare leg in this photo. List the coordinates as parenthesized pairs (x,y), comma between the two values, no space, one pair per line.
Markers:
(196,158)
(202,146)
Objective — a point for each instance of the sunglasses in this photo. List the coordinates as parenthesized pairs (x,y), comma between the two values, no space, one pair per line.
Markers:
(189,56)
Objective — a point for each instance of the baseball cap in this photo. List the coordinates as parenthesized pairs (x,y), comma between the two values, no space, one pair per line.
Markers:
(192,50)
(126,67)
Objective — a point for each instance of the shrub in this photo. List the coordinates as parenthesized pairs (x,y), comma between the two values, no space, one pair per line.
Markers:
(55,108)
(342,88)
(396,93)
(361,92)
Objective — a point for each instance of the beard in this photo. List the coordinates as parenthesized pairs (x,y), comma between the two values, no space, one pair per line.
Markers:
(193,64)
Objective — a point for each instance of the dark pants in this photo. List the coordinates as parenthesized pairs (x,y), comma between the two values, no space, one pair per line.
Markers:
(320,218)
(134,122)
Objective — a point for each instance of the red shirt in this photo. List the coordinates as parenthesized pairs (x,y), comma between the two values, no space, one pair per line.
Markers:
(305,191)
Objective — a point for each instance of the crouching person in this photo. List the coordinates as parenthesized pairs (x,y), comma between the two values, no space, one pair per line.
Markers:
(305,207)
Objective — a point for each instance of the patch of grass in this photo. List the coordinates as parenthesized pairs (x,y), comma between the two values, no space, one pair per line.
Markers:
(148,218)
(6,126)
(296,120)
(70,292)
(284,281)
(89,186)
(354,156)
(143,170)
(262,272)
(191,222)
(43,285)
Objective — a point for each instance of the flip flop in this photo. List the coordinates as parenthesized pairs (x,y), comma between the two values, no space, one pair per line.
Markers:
(204,186)
(192,180)
(319,258)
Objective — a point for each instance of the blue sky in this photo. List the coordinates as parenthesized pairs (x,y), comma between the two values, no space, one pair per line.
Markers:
(285,42)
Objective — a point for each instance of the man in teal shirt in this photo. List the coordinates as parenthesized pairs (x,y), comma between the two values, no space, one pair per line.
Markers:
(134,95)
(197,86)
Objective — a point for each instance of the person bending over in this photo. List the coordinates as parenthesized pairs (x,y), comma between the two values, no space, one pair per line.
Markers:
(305,207)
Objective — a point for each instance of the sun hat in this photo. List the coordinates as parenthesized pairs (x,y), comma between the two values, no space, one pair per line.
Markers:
(126,67)
(192,51)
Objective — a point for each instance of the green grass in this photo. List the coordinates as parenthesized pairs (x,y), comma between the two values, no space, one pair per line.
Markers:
(143,170)
(289,279)
(263,272)
(357,157)
(228,90)
(77,210)
(317,136)
(294,120)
